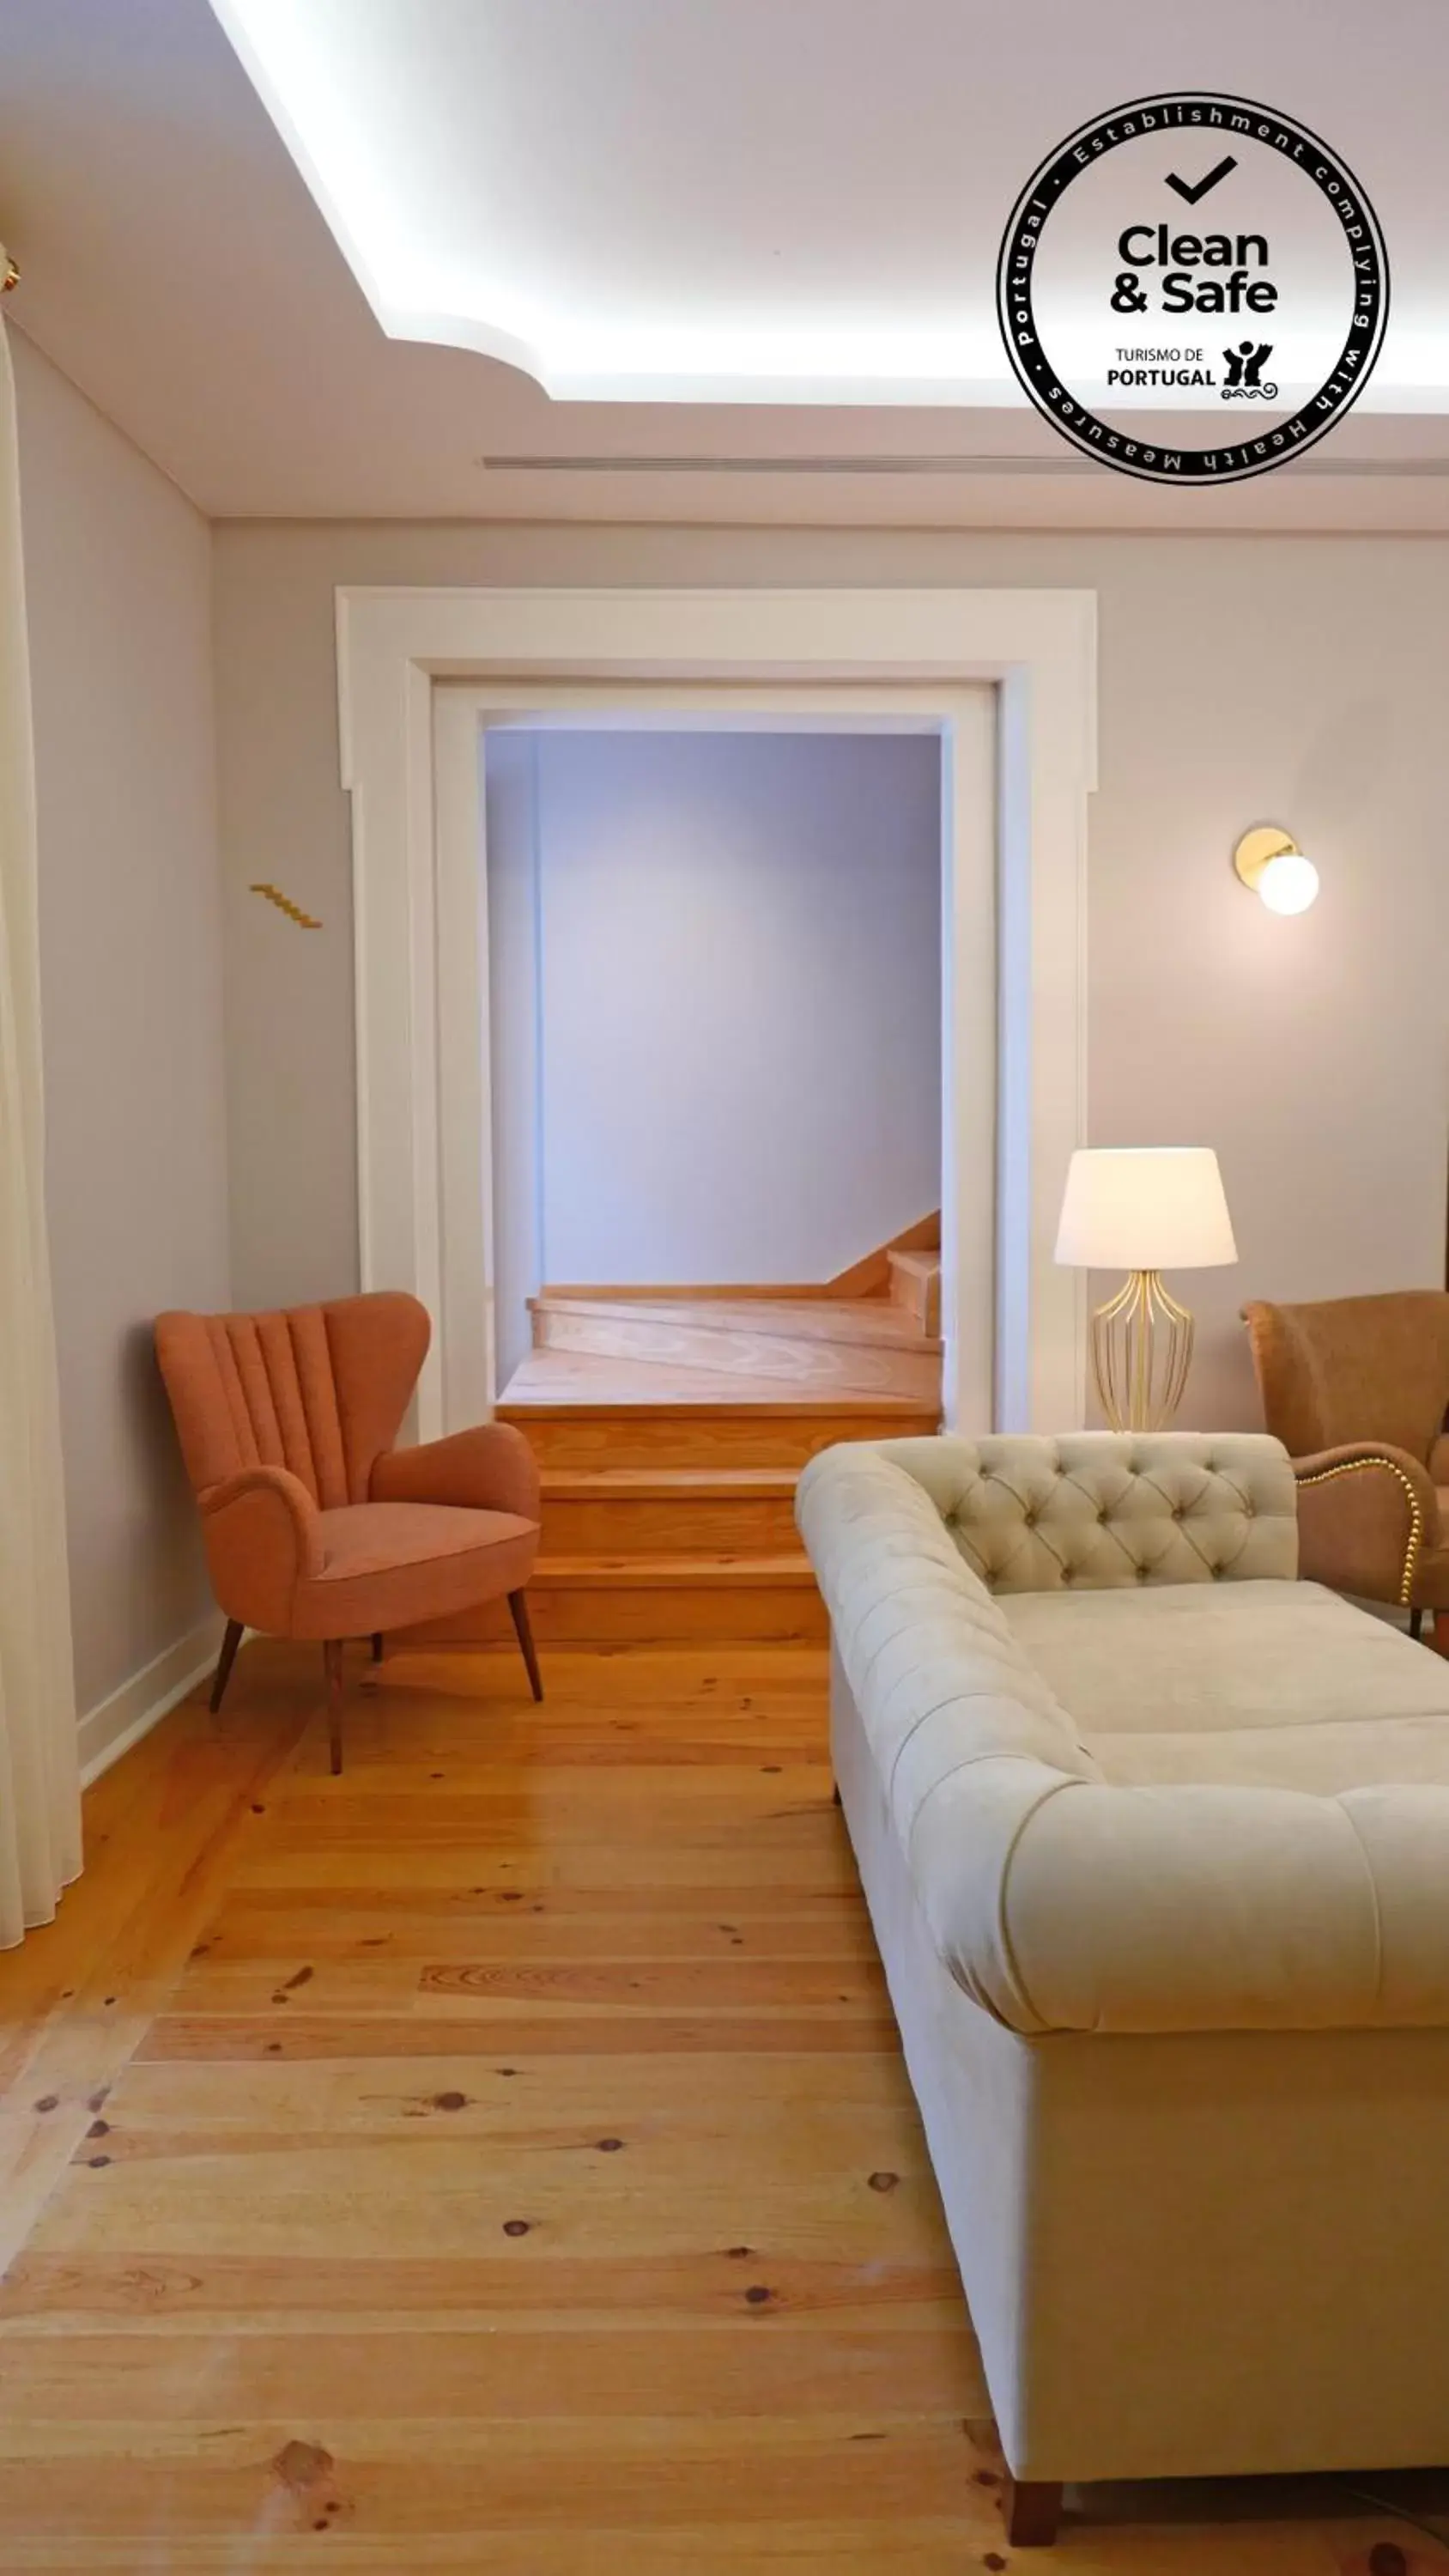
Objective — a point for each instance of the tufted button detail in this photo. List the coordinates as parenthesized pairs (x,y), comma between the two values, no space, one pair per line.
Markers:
(1217,1573)
(1177,1512)
(1141,1573)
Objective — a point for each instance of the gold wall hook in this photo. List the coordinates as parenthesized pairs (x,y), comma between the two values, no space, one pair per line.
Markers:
(284,903)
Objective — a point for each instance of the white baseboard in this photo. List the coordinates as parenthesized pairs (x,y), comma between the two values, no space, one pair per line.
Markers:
(111,1728)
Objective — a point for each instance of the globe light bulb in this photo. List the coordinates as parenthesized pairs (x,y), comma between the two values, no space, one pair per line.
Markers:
(1289,883)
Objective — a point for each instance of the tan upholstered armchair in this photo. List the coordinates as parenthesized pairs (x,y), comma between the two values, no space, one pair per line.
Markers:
(315,1525)
(1356,1388)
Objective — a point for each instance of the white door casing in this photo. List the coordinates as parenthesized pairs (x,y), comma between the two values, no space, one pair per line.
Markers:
(422,671)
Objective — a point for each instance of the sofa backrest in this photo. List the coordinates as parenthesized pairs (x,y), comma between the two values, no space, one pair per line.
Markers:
(1104,1509)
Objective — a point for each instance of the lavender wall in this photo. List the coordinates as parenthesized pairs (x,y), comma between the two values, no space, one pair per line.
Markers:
(1299,677)
(118,584)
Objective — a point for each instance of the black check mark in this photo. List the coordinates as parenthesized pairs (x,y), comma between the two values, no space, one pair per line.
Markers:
(1192,194)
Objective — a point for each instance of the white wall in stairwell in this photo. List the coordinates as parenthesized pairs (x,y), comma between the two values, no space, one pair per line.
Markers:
(511,791)
(716,1022)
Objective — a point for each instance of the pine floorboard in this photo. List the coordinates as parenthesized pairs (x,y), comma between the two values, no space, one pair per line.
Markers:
(500,2158)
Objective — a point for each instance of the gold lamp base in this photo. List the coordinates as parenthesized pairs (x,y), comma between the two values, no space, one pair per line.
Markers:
(1141,1354)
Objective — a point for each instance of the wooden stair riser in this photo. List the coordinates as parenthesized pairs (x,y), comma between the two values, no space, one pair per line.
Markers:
(638,1435)
(681,1525)
(857,1367)
(596,1614)
(916,1288)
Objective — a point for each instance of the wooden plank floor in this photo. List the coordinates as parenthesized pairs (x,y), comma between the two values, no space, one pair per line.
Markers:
(500,2159)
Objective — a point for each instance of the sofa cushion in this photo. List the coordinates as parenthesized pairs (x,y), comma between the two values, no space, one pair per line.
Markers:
(392,1565)
(1279,1684)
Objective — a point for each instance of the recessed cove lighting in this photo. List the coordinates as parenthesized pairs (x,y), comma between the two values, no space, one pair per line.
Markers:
(425,161)
(637,203)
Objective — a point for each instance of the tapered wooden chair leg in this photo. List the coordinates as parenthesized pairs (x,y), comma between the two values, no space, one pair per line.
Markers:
(377,1646)
(518,1604)
(332,1658)
(1033,2509)
(1416,1623)
(224,1662)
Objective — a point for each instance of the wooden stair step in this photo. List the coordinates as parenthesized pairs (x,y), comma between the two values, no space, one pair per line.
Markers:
(837,1351)
(552,1379)
(794,1318)
(596,1436)
(866,1277)
(586,1413)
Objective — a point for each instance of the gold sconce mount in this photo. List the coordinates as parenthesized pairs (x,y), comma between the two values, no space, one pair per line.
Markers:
(1265,841)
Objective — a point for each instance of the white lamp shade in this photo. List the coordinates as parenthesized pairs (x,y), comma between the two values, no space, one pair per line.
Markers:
(1145,1207)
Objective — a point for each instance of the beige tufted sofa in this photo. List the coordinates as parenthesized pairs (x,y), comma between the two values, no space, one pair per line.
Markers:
(1155,1840)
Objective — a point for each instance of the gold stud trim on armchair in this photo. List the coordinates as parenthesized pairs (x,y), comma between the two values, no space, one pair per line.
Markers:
(1358,1467)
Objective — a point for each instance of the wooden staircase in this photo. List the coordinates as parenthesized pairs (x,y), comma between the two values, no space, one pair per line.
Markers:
(670,1426)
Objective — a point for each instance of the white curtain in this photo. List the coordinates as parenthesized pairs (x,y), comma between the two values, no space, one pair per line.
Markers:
(40,1840)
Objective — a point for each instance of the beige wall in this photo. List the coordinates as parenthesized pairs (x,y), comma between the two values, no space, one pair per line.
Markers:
(1300,680)
(118,581)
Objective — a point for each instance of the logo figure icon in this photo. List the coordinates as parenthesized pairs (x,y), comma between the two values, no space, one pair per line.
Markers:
(1247,361)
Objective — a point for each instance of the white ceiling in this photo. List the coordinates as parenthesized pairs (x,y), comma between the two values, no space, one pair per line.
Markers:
(763,200)
(748,203)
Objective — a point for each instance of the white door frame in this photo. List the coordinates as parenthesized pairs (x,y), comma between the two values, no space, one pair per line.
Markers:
(464,712)
(1014,929)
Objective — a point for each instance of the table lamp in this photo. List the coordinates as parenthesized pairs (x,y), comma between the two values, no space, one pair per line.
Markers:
(1143,1209)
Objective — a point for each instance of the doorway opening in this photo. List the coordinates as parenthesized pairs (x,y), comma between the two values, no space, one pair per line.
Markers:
(715,1008)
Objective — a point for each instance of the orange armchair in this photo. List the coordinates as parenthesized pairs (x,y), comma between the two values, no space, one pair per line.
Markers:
(1356,1388)
(315,1526)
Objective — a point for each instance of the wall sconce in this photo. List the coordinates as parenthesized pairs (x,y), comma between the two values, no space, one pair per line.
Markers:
(1269,861)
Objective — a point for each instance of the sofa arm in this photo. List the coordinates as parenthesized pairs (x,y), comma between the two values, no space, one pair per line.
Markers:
(1060,1905)
(488,1469)
(263,1538)
(1366,1513)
